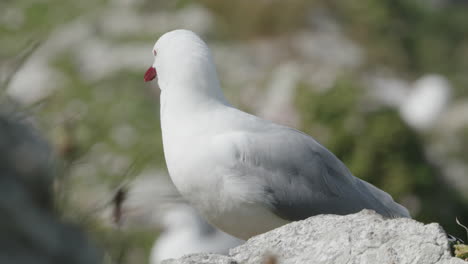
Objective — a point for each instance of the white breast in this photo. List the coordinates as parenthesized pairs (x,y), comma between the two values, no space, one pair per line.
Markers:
(199,166)
(226,200)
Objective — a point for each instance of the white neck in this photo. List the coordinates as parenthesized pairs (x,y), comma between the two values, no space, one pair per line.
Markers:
(177,101)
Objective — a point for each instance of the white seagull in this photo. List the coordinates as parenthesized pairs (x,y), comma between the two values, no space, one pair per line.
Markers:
(244,174)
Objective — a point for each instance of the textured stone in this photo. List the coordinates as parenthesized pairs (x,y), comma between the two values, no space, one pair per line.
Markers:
(201,259)
(365,237)
(451,261)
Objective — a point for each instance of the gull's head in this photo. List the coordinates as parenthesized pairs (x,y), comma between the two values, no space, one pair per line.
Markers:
(182,59)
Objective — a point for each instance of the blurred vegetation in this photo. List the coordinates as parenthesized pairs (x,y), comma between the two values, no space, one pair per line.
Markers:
(87,119)
(30,227)
(30,20)
(411,36)
(461,251)
(252,19)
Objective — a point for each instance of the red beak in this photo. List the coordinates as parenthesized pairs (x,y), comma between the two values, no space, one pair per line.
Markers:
(150,74)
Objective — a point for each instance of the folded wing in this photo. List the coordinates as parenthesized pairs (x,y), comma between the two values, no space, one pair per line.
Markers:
(301,178)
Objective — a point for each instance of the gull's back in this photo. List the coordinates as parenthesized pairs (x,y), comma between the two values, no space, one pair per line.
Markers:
(300,177)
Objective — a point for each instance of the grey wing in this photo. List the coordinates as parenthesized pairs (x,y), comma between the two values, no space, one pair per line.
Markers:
(301,178)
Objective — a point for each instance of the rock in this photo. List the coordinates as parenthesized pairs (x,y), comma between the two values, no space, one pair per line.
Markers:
(201,259)
(364,237)
(451,261)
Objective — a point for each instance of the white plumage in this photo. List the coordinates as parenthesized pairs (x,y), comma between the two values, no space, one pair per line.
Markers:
(246,175)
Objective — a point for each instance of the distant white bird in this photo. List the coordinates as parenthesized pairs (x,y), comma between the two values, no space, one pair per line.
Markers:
(426,101)
(186,232)
(246,175)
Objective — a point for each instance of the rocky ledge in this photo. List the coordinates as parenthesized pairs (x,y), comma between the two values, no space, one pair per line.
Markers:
(364,237)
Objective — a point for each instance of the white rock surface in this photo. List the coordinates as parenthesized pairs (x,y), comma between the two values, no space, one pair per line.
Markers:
(364,237)
(203,259)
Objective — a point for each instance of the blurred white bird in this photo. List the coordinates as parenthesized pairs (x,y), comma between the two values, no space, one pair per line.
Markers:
(186,232)
(420,104)
(246,175)
(425,102)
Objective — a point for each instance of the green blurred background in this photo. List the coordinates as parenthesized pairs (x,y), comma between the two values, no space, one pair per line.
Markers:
(382,84)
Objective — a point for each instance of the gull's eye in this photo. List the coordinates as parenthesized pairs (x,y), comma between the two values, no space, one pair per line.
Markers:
(154,52)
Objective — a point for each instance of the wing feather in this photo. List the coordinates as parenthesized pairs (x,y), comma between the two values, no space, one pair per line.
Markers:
(302,178)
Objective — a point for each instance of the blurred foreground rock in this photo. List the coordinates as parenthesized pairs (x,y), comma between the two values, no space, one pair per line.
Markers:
(30,231)
(364,237)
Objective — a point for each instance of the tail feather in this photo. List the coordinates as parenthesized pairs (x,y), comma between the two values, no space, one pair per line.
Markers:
(385,203)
